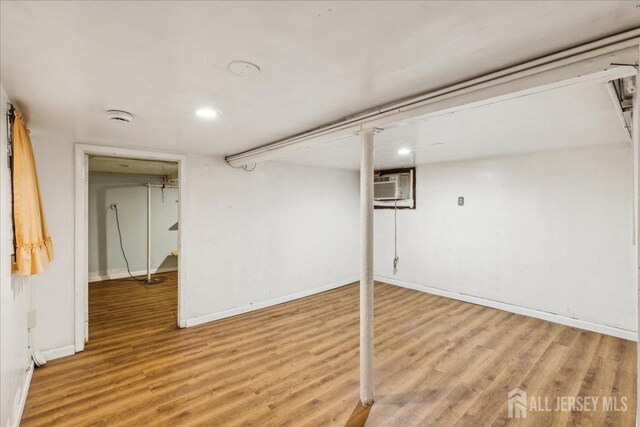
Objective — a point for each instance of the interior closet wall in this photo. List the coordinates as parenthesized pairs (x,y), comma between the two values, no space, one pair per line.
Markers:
(128,191)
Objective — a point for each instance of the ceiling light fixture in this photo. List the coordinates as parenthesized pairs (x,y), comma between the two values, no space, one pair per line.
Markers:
(120,116)
(404,151)
(243,68)
(207,113)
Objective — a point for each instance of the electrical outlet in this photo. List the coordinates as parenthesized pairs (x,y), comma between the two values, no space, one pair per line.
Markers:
(31,319)
(460,201)
(114,206)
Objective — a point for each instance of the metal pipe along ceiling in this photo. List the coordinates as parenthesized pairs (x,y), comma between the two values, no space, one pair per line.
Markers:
(351,125)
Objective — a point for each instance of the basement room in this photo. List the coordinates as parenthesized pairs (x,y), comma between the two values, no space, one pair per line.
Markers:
(321,213)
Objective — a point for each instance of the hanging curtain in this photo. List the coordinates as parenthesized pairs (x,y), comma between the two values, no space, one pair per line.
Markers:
(34,249)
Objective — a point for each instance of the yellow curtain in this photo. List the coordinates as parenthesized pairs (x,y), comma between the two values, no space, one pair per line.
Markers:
(34,249)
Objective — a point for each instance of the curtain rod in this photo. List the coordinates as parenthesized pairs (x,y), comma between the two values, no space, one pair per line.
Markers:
(11,116)
(148,184)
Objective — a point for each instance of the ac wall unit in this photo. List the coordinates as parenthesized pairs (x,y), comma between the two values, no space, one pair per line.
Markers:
(392,187)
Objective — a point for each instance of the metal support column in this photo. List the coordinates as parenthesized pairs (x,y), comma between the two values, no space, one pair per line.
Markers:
(148,233)
(366,268)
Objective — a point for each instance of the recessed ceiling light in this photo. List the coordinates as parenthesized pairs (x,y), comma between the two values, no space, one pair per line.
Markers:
(207,113)
(404,151)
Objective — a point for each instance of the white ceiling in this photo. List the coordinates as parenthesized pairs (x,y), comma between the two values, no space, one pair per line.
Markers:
(574,116)
(133,167)
(65,63)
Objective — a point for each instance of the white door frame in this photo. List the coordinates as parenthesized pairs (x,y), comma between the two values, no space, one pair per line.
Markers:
(81,277)
(635,137)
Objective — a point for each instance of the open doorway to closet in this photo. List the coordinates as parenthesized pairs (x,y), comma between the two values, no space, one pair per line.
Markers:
(132,210)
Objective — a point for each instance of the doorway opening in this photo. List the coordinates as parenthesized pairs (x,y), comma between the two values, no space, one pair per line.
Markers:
(128,206)
(132,243)
(133,219)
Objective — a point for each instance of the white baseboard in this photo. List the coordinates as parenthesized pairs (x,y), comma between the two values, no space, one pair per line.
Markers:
(95,276)
(19,407)
(264,304)
(57,353)
(538,314)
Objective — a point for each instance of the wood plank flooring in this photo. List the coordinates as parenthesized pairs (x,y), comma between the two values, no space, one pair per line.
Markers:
(438,362)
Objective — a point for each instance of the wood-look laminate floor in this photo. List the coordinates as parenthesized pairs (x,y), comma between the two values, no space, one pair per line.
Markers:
(438,362)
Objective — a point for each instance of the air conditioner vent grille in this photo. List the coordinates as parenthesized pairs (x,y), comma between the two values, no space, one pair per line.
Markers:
(392,187)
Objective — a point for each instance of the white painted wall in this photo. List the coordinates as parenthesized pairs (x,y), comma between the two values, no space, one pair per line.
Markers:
(550,231)
(15,301)
(285,230)
(105,256)
(251,238)
(53,290)
(277,231)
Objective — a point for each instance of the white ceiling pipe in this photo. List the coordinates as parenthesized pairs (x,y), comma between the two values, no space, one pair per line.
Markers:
(448,104)
(349,126)
(581,73)
(616,106)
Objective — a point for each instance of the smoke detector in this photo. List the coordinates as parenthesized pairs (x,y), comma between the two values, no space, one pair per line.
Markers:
(243,68)
(119,116)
